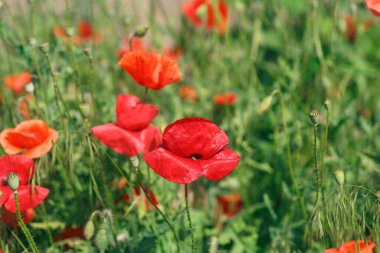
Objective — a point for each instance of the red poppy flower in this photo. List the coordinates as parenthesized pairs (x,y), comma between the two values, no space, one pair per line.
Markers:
(31,137)
(187,92)
(85,33)
(29,196)
(230,204)
(17,82)
(203,12)
(151,70)
(352,246)
(351,28)
(131,134)
(373,6)
(137,45)
(193,147)
(10,220)
(227,98)
(140,199)
(70,232)
(23,106)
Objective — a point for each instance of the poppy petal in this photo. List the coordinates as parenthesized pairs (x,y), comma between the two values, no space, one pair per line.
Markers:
(28,198)
(133,115)
(7,145)
(331,251)
(220,165)
(44,147)
(196,137)
(5,192)
(20,165)
(10,219)
(174,168)
(351,246)
(152,138)
(119,140)
(190,10)
(151,70)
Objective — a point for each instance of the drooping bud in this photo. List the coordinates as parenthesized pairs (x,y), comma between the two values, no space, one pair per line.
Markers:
(314,117)
(140,31)
(134,161)
(89,229)
(339,176)
(13,181)
(101,240)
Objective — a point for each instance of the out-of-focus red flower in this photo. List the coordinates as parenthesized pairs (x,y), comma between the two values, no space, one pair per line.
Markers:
(230,204)
(193,147)
(151,70)
(10,220)
(187,92)
(131,134)
(17,82)
(354,247)
(29,196)
(137,45)
(373,6)
(122,183)
(351,28)
(175,54)
(32,138)
(23,106)
(70,232)
(367,25)
(204,13)
(227,98)
(140,197)
(85,32)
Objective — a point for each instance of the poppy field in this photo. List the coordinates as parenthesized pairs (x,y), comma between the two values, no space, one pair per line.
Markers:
(162,126)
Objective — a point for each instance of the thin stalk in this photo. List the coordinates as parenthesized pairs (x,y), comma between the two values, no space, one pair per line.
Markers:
(189,217)
(289,156)
(315,129)
(325,142)
(136,170)
(23,227)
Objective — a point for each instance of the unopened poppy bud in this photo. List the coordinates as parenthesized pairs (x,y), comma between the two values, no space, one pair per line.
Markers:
(141,31)
(339,176)
(88,52)
(29,87)
(44,47)
(314,117)
(13,181)
(89,230)
(101,240)
(70,31)
(32,41)
(134,161)
(327,103)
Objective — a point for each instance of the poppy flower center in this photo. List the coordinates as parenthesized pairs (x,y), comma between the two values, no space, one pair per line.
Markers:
(196,156)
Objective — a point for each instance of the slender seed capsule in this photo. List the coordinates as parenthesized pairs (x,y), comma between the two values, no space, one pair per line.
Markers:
(13,181)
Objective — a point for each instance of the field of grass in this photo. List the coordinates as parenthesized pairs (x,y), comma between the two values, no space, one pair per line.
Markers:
(294,84)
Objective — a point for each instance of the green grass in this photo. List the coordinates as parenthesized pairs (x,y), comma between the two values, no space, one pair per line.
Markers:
(296,48)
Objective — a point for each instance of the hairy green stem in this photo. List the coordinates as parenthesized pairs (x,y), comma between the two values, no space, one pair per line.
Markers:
(289,157)
(23,227)
(189,217)
(325,142)
(136,170)
(315,129)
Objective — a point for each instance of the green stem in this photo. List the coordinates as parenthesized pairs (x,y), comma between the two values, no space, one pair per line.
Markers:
(136,170)
(316,164)
(23,227)
(289,157)
(325,142)
(189,217)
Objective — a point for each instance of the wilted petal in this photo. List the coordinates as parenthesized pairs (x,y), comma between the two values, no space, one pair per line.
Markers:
(172,167)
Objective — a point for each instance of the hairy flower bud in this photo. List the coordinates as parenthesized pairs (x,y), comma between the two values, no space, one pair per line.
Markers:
(89,230)
(101,240)
(339,176)
(134,161)
(141,31)
(314,117)
(13,181)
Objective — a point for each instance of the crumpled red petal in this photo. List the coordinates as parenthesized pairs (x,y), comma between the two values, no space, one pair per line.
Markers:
(172,167)
(350,247)
(133,115)
(28,198)
(151,70)
(20,165)
(194,137)
(220,165)
(44,147)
